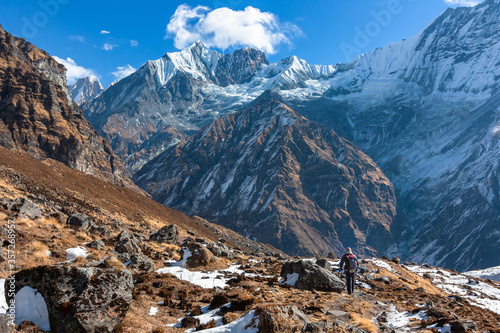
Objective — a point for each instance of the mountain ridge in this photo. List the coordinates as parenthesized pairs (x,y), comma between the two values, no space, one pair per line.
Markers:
(38,114)
(273,175)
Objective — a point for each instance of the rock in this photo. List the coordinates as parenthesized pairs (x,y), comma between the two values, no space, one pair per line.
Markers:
(331,255)
(462,326)
(280,319)
(369,277)
(80,221)
(385,258)
(125,235)
(80,299)
(280,256)
(196,255)
(168,234)
(438,312)
(102,230)
(24,207)
(310,276)
(396,260)
(324,263)
(128,246)
(362,269)
(220,250)
(190,232)
(190,322)
(123,257)
(96,244)
(141,263)
(383,279)
(315,327)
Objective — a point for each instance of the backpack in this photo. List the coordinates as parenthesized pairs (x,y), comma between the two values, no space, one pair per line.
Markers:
(351,263)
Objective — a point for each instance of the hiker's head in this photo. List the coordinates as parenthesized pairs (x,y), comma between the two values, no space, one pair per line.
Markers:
(348,250)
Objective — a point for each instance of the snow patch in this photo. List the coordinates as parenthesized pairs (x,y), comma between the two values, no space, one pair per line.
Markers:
(73,253)
(31,306)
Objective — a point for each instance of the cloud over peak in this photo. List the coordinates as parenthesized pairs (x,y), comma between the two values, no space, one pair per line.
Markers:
(124,71)
(73,71)
(225,28)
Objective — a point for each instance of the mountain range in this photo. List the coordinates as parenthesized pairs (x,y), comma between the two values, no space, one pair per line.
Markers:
(424,109)
(273,175)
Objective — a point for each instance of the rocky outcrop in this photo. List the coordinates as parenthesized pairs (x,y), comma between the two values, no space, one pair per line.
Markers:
(80,299)
(167,234)
(196,255)
(306,275)
(271,174)
(38,115)
(24,208)
(140,263)
(80,221)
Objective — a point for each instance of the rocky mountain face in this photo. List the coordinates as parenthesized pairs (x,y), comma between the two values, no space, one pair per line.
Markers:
(274,176)
(176,95)
(85,89)
(38,115)
(425,109)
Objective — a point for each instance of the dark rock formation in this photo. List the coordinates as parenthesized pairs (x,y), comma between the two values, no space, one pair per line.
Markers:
(80,299)
(310,276)
(168,234)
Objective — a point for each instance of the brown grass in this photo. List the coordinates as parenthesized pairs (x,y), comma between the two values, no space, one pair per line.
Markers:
(365,323)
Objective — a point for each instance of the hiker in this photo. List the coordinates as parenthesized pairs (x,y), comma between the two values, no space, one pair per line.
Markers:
(349,263)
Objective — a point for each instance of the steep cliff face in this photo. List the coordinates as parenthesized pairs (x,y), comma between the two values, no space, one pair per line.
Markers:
(37,113)
(275,176)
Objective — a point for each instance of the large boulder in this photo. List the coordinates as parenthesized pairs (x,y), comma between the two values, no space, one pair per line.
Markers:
(196,255)
(309,276)
(128,243)
(220,250)
(80,221)
(168,234)
(140,263)
(78,299)
(124,235)
(128,246)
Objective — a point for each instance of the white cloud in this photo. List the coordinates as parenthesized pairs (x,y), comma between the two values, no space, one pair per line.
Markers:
(104,32)
(108,46)
(122,72)
(73,71)
(133,42)
(466,3)
(77,38)
(223,28)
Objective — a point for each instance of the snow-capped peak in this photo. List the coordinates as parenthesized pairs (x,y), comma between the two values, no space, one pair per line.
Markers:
(85,89)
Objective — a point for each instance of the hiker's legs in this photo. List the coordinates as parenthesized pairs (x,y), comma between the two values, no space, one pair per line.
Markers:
(350,282)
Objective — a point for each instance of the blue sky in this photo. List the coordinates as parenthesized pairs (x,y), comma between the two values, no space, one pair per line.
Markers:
(111,38)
